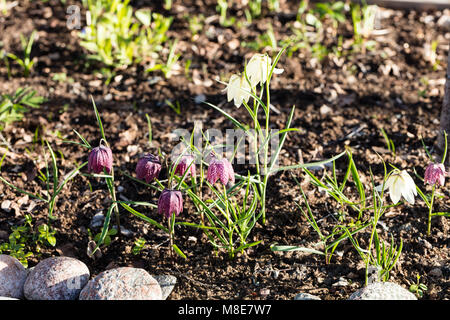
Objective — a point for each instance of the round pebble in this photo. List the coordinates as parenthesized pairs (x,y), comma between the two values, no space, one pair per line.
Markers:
(436,272)
(306,296)
(97,220)
(57,278)
(124,283)
(167,282)
(12,277)
(383,291)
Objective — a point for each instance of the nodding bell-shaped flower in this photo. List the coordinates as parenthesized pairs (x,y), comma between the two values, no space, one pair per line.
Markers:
(99,158)
(170,202)
(400,184)
(148,167)
(258,69)
(220,169)
(435,174)
(184,164)
(238,89)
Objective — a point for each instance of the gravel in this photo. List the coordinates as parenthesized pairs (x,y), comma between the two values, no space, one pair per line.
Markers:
(57,278)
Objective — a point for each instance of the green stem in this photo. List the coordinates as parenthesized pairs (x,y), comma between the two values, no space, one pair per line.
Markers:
(369,250)
(230,230)
(200,191)
(114,199)
(263,198)
(430,211)
(171,234)
(377,216)
(266,155)
(261,187)
(445,148)
(116,209)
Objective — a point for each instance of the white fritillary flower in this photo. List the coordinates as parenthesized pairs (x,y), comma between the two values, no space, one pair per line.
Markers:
(238,89)
(400,184)
(258,69)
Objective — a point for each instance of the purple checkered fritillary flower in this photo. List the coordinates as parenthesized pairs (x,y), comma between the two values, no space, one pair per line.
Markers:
(220,170)
(170,202)
(100,158)
(148,167)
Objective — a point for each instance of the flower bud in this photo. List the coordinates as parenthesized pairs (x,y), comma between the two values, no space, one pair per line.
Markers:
(148,167)
(435,173)
(220,169)
(184,164)
(170,202)
(99,158)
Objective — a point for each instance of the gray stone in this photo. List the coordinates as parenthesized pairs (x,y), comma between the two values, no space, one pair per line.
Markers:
(341,283)
(382,291)
(57,278)
(97,220)
(325,110)
(4,235)
(436,272)
(306,296)
(12,277)
(124,283)
(167,283)
(126,232)
(199,99)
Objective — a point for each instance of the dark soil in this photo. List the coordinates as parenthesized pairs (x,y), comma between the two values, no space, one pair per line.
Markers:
(365,92)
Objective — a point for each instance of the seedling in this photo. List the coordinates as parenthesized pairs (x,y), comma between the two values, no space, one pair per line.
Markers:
(168,67)
(335,11)
(51,180)
(167,4)
(174,106)
(418,288)
(389,143)
(222,7)
(26,63)
(196,23)
(24,239)
(13,107)
(139,244)
(106,238)
(363,19)
(117,37)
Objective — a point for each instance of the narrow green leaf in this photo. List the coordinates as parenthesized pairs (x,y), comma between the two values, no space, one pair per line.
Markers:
(178,251)
(307,165)
(144,217)
(23,191)
(295,248)
(99,120)
(105,227)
